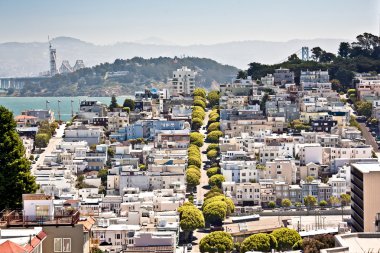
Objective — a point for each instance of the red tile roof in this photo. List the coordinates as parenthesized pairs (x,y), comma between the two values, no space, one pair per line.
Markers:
(87,224)
(11,247)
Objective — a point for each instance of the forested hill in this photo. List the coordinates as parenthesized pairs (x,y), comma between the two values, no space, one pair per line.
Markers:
(136,74)
(362,55)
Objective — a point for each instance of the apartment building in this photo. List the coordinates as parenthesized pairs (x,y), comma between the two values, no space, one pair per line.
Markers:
(365,191)
(183,81)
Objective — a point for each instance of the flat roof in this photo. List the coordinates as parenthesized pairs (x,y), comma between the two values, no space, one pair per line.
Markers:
(360,242)
(367,167)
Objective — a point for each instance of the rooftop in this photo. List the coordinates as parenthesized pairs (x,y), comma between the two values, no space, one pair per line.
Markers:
(367,167)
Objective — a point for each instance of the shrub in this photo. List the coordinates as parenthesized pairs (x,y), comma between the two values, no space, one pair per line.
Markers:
(213,171)
(214,136)
(286,238)
(259,242)
(213,146)
(216,180)
(196,139)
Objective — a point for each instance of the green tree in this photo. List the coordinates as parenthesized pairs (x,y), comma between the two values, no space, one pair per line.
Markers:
(215,191)
(336,85)
(199,103)
(218,241)
(215,212)
(199,92)
(213,171)
(242,74)
(216,180)
(286,203)
(102,174)
(214,136)
(41,140)
(259,242)
(200,98)
(309,201)
(194,170)
(333,201)
(294,58)
(271,204)
(191,218)
(309,179)
(196,139)
(213,146)
(15,176)
(142,167)
(261,167)
(212,154)
(345,199)
(213,127)
(228,201)
(316,53)
(113,103)
(364,108)
(130,103)
(323,203)
(286,238)
(344,49)
(327,57)
(196,123)
(213,98)
(192,160)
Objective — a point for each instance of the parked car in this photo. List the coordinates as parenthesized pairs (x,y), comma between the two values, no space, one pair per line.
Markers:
(216,228)
(373,133)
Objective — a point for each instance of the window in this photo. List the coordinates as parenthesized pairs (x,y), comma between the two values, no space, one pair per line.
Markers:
(57,244)
(62,244)
(66,244)
(42,210)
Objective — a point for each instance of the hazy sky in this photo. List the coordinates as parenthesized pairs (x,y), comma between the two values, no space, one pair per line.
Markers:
(186,22)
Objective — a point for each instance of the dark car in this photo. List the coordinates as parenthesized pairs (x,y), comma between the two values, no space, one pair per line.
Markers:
(216,228)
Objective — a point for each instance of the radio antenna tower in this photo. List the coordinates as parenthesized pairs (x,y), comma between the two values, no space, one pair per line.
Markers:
(53,58)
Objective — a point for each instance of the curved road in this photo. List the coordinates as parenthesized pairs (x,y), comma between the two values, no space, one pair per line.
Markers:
(53,142)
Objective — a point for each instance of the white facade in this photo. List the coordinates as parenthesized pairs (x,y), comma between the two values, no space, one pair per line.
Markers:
(183,81)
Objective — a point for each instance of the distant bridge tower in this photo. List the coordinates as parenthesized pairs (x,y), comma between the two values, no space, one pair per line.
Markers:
(53,59)
(305,53)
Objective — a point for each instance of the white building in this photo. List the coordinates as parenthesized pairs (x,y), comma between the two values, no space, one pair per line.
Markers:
(183,81)
(338,186)
(246,194)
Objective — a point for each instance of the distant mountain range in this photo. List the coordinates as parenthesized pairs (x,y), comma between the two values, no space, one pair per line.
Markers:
(31,58)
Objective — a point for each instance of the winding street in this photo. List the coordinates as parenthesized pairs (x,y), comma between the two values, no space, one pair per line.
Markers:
(202,188)
(53,142)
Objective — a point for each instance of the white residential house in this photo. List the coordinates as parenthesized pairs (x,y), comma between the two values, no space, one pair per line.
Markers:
(338,186)
(245,194)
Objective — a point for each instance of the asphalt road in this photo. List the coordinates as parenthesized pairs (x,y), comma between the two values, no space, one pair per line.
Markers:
(202,188)
(54,141)
(369,139)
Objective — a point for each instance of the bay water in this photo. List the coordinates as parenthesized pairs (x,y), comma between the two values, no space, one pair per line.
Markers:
(19,104)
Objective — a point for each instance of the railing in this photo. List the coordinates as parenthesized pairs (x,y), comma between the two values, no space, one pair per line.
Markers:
(16,218)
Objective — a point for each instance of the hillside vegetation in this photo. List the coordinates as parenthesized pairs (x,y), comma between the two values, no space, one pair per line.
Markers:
(362,55)
(138,73)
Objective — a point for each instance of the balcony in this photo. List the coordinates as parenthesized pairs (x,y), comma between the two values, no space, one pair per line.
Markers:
(16,218)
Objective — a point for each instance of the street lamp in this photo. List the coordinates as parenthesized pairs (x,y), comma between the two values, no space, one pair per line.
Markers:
(59,112)
(46,104)
(72,111)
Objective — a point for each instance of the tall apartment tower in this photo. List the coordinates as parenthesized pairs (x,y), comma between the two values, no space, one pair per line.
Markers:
(53,60)
(365,196)
(183,81)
